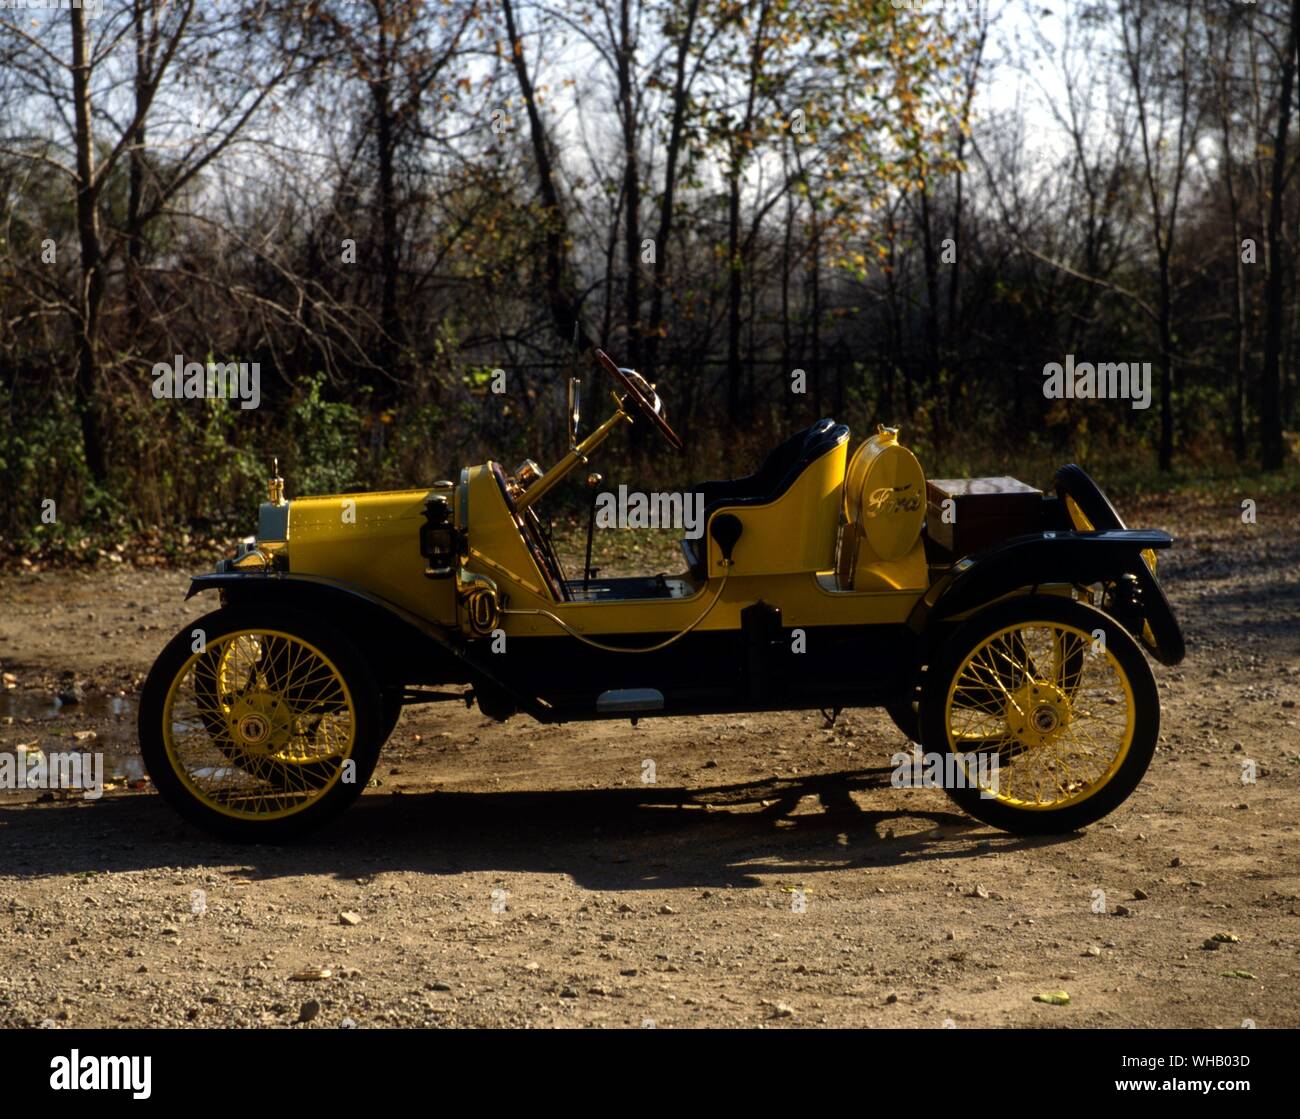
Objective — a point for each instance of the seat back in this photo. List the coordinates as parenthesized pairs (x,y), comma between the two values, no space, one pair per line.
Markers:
(786,456)
(782,463)
(791,526)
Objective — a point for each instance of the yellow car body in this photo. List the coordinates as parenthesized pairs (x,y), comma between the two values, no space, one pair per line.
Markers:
(821,580)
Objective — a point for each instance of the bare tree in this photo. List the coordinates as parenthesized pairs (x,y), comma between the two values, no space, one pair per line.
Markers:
(1270,412)
(1159,46)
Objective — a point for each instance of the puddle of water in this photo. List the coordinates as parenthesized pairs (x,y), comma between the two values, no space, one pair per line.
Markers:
(43,705)
(44,724)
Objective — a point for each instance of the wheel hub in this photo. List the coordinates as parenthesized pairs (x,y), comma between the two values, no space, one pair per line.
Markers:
(1044,719)
(261,723)
(253,729)
(1037,712)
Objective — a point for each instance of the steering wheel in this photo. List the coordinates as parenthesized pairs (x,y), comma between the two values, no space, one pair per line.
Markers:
(643,395)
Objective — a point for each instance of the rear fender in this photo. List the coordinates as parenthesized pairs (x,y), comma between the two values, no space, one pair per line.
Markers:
(1025,563)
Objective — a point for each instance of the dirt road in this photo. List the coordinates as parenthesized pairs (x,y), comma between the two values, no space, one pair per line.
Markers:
(519,875)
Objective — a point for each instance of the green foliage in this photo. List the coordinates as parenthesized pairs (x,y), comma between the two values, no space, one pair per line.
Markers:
(198,462)
(827,152)
(40,460)
(324,442)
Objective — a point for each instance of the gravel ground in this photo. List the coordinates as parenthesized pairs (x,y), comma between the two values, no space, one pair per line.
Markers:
(520,875)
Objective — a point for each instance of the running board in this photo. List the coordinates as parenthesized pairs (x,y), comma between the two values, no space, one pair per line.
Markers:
(628,700)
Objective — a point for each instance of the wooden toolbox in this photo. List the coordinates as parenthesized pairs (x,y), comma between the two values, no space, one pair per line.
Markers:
(984,511)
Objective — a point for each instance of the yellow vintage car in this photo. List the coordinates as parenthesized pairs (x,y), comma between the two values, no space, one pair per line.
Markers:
(1000,628)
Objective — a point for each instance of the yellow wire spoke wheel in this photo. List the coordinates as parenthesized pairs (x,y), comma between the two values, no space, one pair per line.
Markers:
(272,679)
(1050,709)
(270,727)
(275,706)
(1058,735)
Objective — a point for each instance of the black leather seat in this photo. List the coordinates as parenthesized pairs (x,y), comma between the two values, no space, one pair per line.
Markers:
(783,465)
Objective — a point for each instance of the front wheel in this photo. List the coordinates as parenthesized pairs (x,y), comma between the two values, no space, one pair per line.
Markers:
(1045,712)
(260,723)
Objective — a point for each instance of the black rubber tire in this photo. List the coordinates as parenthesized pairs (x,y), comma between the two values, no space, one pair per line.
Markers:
(392,707)
(367,705)
(1146,732)
(906,715)
(1075,482)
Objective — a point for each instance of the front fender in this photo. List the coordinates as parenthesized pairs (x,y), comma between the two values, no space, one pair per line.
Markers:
(1073,558)
(404,648)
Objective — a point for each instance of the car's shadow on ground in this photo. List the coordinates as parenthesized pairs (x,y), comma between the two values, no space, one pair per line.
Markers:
(649,837)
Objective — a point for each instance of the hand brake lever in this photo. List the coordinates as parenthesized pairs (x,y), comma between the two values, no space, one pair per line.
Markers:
(593,482)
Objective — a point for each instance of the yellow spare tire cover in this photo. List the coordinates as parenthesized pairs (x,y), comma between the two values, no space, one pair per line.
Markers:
(891,506)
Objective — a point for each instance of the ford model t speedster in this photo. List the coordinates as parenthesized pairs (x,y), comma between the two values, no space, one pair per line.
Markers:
(999,627)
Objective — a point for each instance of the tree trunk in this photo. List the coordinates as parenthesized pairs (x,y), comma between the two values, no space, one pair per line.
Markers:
(1165,309)
(562,300)
(1240,312)
(932,348)
(786,252)
(675,135)
(390,317)
(815,278)
(91,291)
(733,295)
(1270,410)
(135,177)
(740,143)
(631,191)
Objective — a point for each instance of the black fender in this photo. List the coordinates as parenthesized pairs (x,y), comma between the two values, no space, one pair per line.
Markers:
(1074,558)
(403,647)
(1074,482)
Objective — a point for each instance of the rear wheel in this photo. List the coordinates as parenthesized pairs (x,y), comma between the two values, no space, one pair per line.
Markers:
(269,728)
(1045,712)
(392,706)
(905,711)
